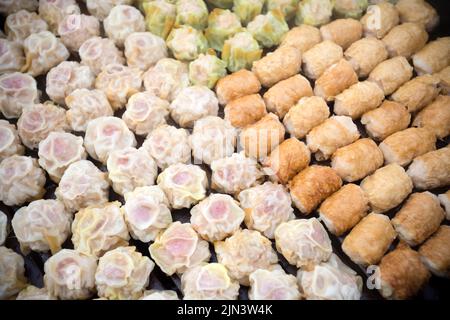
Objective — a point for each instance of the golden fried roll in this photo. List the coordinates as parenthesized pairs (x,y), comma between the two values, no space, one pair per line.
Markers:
(403,146)
(236,85)
(326,138)
(245,110)
(435,117)
(431,170)
(417,92)
(285,94)
(335,79)
(434,57)
(343,32)
(418,218)
(313,185)
(358,99)
(444,198)
(387,187)
(405,40)
(418,11)
(379,19)
(281,64)
(389,118)
(317,59)
(365,54)
(369,239)
(303,37)
(286,160)
(357,160)
(260,138)
(344,209)
(435,252)
(444,80)
(391,74)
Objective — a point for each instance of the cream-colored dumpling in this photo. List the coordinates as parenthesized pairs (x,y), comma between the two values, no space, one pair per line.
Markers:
(21,180)
(106,134)
(17,92)
(41,226)
(70,275)
(129,168)
(12,278)
(12,6)
(122,21)
(75,29)
(179,248)
(159,295)
(123,274)
(97,53)
(82,185)
(209,282)
(54,11)
(11,56)
(34,293)
(19,25)
(101,8)
(266,206)
(4,228)
(144,49)
(9,140)
(273,285)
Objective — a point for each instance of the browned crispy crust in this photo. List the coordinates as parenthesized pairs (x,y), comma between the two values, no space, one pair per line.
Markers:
(342,31)
(405,39)
(236,85)
(435,117)
(303,37)
(435,252)
(335,79)
(246,110)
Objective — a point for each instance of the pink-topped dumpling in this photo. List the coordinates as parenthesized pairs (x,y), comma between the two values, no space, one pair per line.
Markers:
(147,212)
(159,295)
(122,21)
(101,8)
(97,53)
(12,6)
(130,168)
(209,282)
(58,151)
(266,206)
(144,49)
(65,78)
(37,121)
(75,29)
(17,91)
(19,25)
(273,285)
(217,217)
(11,56)
(12,273)
(70,275)
(42,226)
(9,140)
(183,184)
(82,185)
(21,180)
(54,11)
(179,248)
(145,112)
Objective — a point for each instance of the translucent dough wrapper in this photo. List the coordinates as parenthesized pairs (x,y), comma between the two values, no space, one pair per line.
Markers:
(417,11)
(159,17)
(417,92)
(433,57)
(17,92)
(237,85)
(144,49)
(21,180)
(435,117)
(435,252)
(82,185)
(34,293)
(97,53)
(247,10)
(245,110)
(11,56)
(4,228)
(268,29)
(53,12)
(365,54)
(321,56)
(303,37)
(178,249)
(313,185)
(122,21)
(379,19)
(193,13)
(101,8)
(9,141)
(350,8)
(159,295)
(405,40)
(12,273)
(206,70)
(146,212)
(314,12)
(444,80)
(287,7)
(390,74)
(75,29)
(19,25)
(343,32)
(70,275)
(222,24)
(266,206)
(186,43)
(335,79)
(273,285)
(183,184)
(244,252)
(12,6)
(240,51)
(444,198)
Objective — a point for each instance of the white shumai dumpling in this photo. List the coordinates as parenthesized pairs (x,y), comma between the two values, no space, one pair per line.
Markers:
(17,91)
(209,282)
(266,206)
(101,8)
(183,184)
(11,56)
(146,212)
(129,168)
(106,134)
(303,242)
(70,275)
(65,78)
(4,228)
(41,226)
(216,217)
(159,295)
(122,21)
(167,78)
(12,6)
(12,273)
(97,53)
(244,252)
(54,11)
(99,228)
(9,140)
(38,120)
(168,145)
(273,285)
(235,173)
(82,185)
(212,138)
(179,248)
(58,151)
(43,51)
(19,25)
(34,293)
(75,29)
(86,105)
(123,274)
(331,280)
(145,112)
(144,49)
(21,180)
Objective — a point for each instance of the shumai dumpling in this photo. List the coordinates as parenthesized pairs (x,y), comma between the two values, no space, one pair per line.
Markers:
(144,49)
(273,285)
(4,228)
(209,282)
(34,293)
(179,248)
(122,21)
(101,8)
(159,295)
(75,29)
(19,25)
(12,273)
(9,140)
(123,274)
(12,6)
(54,11)
(97,53)
(11,56)
(17,92)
